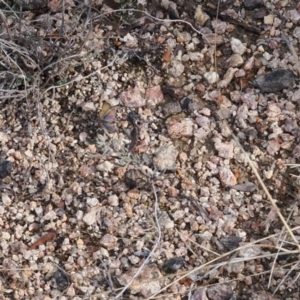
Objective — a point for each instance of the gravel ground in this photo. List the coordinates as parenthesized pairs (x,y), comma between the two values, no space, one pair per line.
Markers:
(124,129)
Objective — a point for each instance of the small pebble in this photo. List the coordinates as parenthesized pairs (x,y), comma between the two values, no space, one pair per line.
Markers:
(227,177)
(173,264)
(201,17)
(237,46)
(235,60)
(177,68)
(275,81)
(180,127)
(108,241)
(211,77)
(113,200)
(165,157)
(268,20)
(252,4)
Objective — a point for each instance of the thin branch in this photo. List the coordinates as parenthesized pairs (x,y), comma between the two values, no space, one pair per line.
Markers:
(210,263)
(283,240)
(80,77)
(153,249)
(287,274)
(10,9)
(266,190)
(198,245)
(156,19)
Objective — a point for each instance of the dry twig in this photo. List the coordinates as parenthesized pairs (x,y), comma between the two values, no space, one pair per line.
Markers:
(158,240)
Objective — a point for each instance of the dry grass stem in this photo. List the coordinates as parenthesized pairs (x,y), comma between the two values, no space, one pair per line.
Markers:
(178,199)
(198,245)
(211,262)
(267,192)
(279,249)
(156,19)
(155,247)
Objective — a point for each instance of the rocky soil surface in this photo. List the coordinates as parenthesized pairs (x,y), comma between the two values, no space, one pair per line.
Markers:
(122,129)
